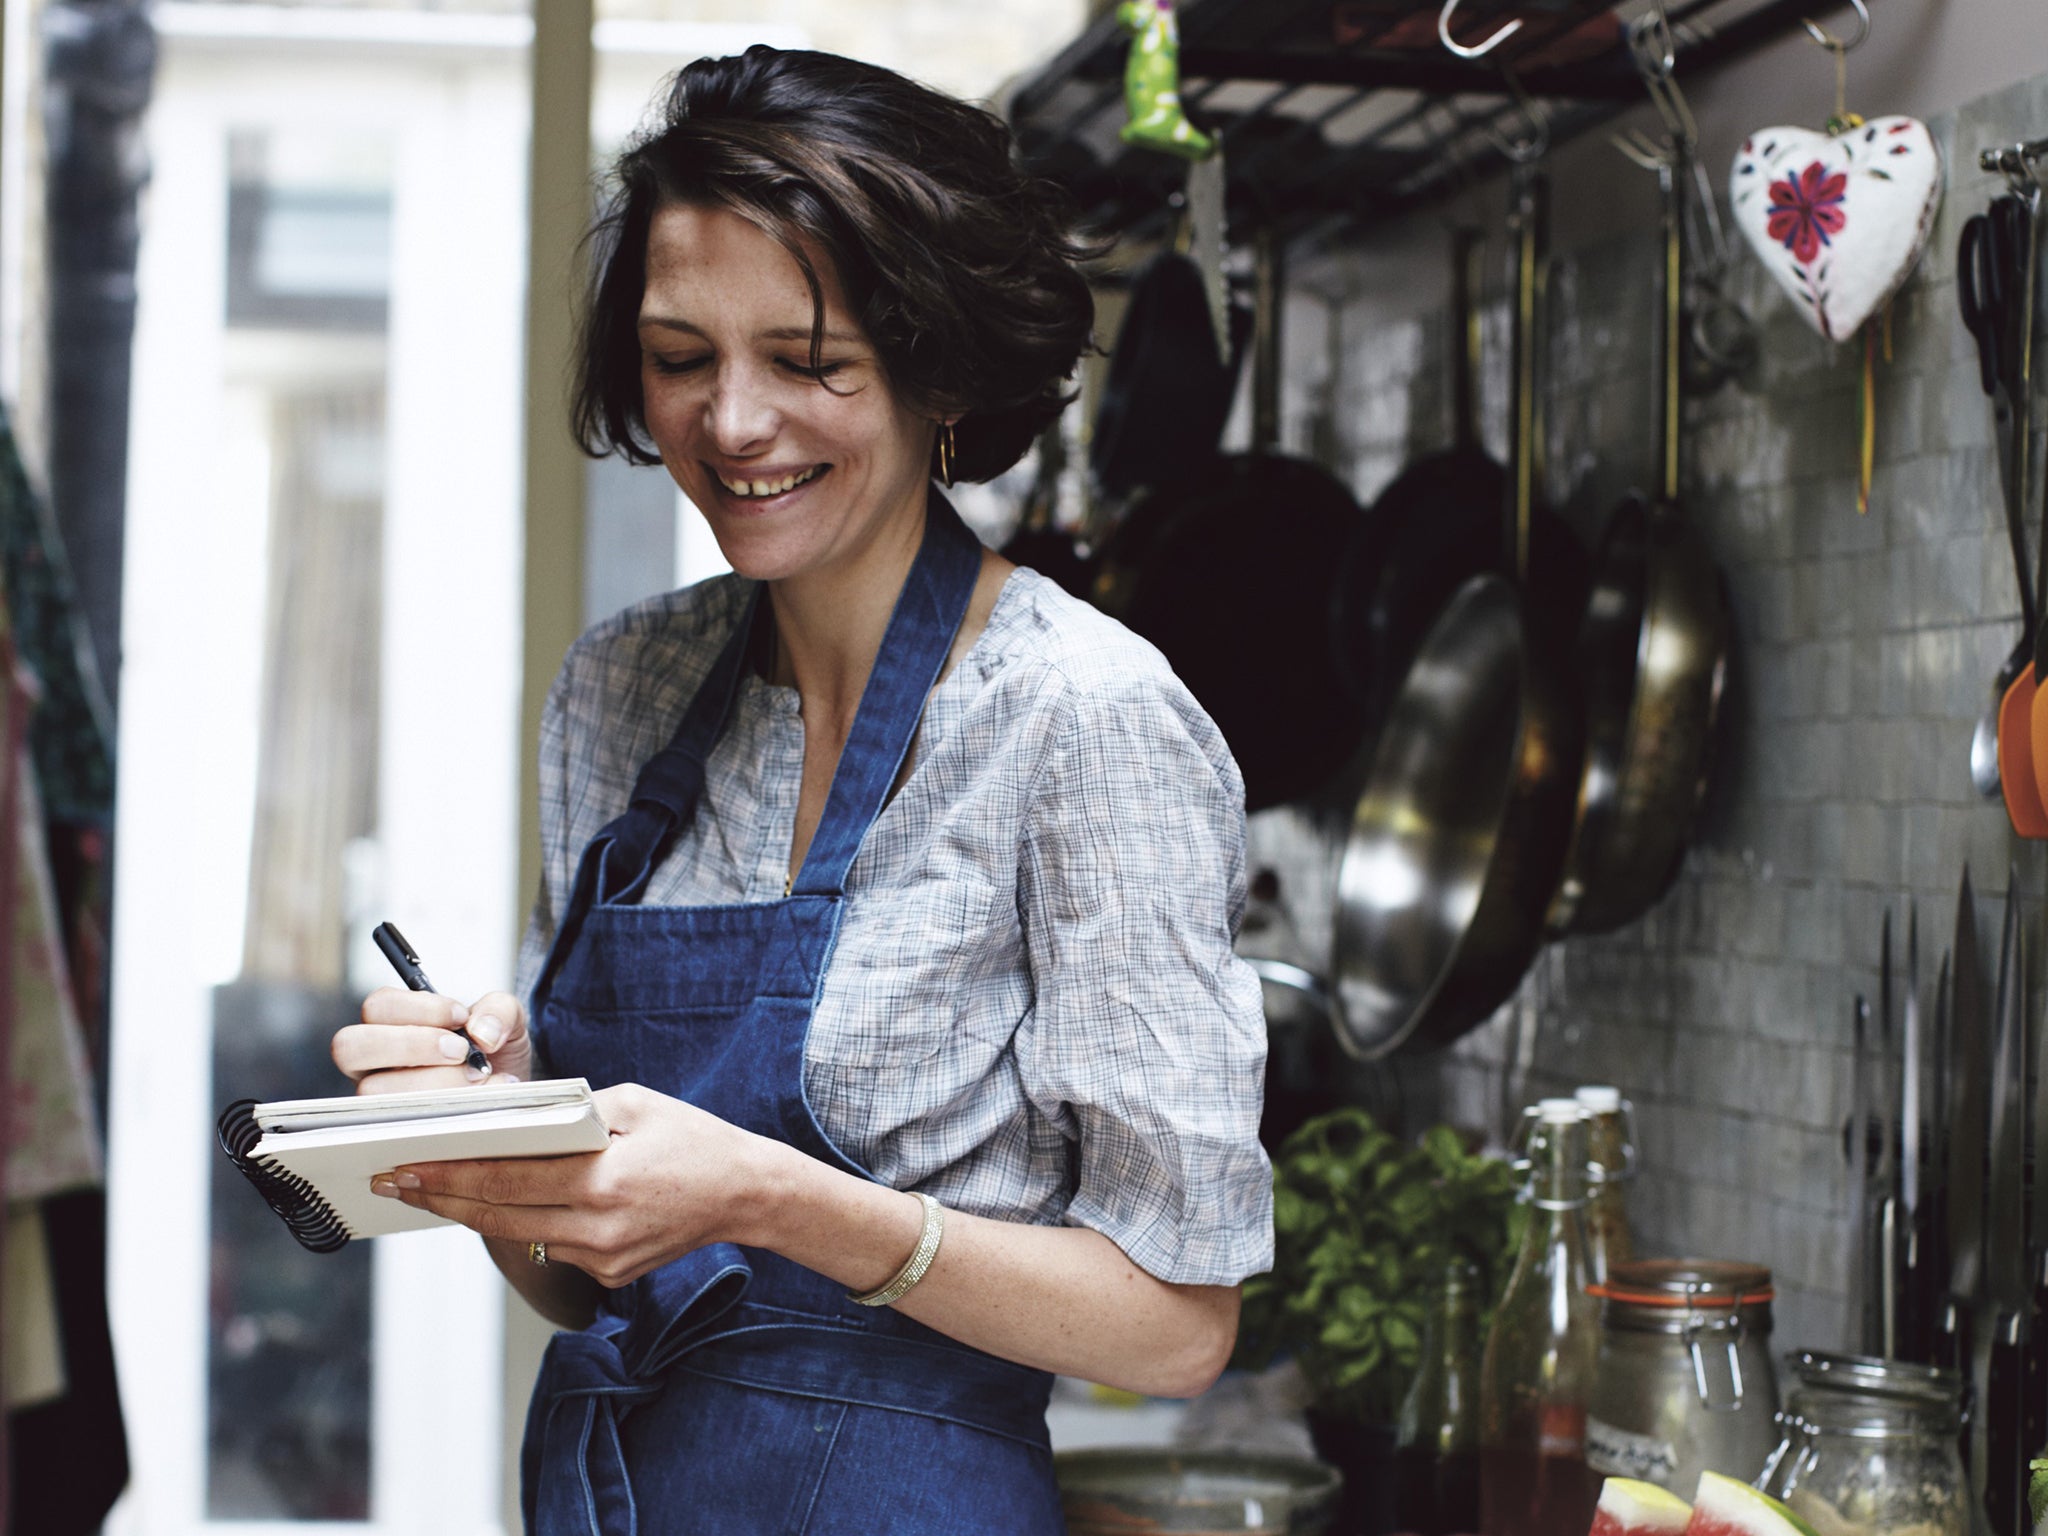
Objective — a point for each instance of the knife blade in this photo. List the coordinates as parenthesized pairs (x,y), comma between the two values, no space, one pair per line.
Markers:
(1931,1274)
(1907,1342)
(1963,1149)
(1857,1154)
(2005,1258)
(2034,1424)
(1884,1340)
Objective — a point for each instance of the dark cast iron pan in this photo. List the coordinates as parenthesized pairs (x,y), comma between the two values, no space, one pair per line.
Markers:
(1434,527)
(1168,388)
(1229,570)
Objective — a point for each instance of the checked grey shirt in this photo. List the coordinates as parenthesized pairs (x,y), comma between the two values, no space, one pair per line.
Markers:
(1033,1012)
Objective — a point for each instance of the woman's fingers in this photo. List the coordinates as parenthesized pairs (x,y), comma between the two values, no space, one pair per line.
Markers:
(397,1005)
(361,1049)
(497,1021)
(416,1079)
(551,1182)
(404,1033)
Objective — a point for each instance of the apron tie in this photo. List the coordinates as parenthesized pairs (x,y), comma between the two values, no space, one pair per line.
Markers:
(589,1380)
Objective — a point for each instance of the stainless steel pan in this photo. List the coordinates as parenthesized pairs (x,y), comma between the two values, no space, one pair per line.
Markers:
(1458,836)
(1652,659)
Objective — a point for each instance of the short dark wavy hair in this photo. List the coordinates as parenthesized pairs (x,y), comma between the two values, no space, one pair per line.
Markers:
(962,269)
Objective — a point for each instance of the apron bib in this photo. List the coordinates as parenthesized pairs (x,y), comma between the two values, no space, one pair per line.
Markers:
(731,1390)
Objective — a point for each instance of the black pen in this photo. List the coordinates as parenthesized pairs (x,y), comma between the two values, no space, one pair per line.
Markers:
(406,961)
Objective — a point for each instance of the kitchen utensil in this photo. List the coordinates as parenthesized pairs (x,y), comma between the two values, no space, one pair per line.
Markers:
(1910,1343)
(2034,1423)
(1963,1150)
(1437,525)
(1884,1337)
(1459,831)
(2025,706)
(2009,1287)
(1386,600)
(2010,244)
(1651,661)
(1858,1153)
(1930,1243)
(1168,388)
(1229,571)
(1991,276)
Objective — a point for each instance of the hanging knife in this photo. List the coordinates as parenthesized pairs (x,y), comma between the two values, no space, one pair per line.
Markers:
(1884,1177)
(1857,1151)
(2034,1424)
(1908,1339)
(2009,1285)
(1932,1281)
(1963,1143)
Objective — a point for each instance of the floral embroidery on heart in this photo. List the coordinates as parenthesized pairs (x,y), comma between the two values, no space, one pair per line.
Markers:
(1837,219)
(1806,210)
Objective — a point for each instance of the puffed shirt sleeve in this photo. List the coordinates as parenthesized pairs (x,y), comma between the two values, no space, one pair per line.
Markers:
(1146,1040)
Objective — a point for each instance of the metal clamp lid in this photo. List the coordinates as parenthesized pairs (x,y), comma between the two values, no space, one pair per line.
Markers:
(1867,1375)
(1701,1297)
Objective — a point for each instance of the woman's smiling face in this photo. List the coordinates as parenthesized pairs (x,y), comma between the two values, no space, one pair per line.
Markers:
(796,470)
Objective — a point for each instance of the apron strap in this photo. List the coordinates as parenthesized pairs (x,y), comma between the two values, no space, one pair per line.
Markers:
(914,649)
(665,792)
(618,860)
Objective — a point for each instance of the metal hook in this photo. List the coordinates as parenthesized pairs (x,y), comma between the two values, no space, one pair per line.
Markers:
(1650,40)
(2018,164)
(1827,39)
(1533,144)
(1642,149)
(1443,31)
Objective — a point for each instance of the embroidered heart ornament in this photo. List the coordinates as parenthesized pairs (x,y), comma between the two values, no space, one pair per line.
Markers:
(1838,219)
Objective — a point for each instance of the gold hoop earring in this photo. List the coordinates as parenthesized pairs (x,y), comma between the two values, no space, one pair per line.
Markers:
(946,454)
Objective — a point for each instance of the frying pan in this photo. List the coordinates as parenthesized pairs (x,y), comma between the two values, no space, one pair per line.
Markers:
(1652,658)
(1460,831)
(1228,570)
(1168,388)
(1436,525)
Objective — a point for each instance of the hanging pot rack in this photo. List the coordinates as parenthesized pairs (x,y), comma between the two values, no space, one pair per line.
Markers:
(1354,112)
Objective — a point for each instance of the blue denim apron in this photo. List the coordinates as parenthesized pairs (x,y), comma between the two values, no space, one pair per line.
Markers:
(731,1390)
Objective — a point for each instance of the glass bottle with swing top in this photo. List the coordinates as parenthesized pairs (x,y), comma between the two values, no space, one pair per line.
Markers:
(1543,1349)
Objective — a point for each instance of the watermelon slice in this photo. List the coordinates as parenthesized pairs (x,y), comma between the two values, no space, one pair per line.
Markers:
(1724,1507)
(1630,1508)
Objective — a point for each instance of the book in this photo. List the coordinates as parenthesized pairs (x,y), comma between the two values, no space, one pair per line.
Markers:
(313,1159)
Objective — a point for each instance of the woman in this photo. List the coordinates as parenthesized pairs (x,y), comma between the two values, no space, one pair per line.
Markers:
(889,891)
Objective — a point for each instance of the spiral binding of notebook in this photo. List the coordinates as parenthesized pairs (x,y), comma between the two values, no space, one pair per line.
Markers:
(311,1219)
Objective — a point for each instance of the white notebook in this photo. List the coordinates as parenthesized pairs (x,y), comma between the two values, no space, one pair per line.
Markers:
(313,1159)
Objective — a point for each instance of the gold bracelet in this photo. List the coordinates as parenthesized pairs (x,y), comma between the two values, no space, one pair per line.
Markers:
(919,1261)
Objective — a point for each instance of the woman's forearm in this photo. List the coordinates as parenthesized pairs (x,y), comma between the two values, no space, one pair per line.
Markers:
(561,1293)
(1064,1299)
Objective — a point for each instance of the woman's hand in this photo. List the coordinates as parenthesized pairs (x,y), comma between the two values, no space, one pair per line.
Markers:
(413,1040)
(673,1179)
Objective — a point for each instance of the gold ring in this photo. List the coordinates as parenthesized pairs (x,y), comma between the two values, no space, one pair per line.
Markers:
(538,1252)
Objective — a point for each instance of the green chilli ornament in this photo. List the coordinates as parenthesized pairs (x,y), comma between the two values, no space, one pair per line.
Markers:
(1152,83)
